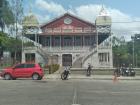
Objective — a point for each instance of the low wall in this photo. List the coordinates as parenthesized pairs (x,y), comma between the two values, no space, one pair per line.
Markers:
(99,71)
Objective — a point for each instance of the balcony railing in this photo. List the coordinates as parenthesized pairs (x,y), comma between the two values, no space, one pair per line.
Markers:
(66,49)
(70,30)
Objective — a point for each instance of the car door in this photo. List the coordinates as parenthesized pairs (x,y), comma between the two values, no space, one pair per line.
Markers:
(19,70)
(30,69)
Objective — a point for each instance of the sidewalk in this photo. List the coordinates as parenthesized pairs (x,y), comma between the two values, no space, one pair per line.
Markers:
(95,77)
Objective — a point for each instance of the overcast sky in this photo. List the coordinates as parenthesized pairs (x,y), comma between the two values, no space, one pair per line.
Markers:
(124,13)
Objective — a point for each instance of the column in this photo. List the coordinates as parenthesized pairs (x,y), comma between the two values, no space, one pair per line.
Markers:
(60,59)
(23,57)
(73,42)
(60,42)
(50,42)
(110,53)
(83,41)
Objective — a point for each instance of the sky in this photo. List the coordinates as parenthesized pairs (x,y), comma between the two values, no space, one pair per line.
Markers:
(124,13)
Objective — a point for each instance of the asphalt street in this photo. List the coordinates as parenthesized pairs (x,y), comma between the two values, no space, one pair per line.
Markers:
(69,92)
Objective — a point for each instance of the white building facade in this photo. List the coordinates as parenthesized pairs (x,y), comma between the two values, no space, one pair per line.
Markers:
(69,40)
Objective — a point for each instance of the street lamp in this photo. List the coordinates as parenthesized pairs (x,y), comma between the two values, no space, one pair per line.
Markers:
(133,39)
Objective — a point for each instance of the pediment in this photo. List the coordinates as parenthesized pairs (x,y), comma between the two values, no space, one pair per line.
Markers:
(67,20)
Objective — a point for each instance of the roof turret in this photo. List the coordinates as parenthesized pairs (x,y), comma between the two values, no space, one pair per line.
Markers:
(30,21)
(103,18)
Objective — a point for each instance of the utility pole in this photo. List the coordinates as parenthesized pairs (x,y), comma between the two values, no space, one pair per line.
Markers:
(133,38)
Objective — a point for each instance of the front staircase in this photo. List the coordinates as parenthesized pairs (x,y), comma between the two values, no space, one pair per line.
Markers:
(85,57)
(78,63)
(38,47)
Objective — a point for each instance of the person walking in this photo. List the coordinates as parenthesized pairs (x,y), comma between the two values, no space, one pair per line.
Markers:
(89,70)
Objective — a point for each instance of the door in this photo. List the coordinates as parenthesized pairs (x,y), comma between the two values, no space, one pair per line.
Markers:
(19,70)
(30,69)
(67,60)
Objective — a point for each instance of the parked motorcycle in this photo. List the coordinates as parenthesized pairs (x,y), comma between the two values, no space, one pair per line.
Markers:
(128,72)
(132,72)
(65,74)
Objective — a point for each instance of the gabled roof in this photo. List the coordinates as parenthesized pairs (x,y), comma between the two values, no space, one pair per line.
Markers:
(67,14)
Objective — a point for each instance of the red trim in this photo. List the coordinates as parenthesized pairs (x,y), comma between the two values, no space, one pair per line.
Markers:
(67,14)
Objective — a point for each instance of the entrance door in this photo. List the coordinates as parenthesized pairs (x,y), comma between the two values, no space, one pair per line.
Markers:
(67,60)
(30,57)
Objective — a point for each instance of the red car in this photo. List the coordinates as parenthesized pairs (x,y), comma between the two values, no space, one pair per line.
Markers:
(23,71)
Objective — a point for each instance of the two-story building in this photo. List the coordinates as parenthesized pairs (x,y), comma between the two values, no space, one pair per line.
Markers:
(70,40)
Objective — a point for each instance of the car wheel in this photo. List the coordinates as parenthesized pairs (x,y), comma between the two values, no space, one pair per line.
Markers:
(40,78)
(35,76)
(7,77)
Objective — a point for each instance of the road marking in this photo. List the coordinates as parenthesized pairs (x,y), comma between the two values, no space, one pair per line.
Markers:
(75,96)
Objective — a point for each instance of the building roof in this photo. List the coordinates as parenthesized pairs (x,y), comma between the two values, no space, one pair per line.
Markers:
(30,21)
(103,18)
(66,14)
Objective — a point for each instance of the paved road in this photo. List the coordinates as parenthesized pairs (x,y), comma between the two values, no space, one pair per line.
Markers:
(69,92)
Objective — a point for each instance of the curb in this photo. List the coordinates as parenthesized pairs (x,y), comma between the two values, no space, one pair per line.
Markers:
(93,78)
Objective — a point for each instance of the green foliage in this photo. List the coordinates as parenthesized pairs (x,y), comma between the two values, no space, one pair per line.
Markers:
(28,44)
(123,52)
(6,15)
(53,68)
(9,43)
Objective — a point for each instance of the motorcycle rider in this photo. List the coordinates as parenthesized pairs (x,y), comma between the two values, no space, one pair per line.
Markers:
(89,69)
(66,71)
(123,70)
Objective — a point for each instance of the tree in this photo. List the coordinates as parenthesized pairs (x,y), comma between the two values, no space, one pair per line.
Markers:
(123,51)
(6,15)
(13,45)
(17,9)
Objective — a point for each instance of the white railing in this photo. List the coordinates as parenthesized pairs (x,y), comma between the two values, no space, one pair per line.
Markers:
(65,49)
(25,39)
(87,55)
(104,45)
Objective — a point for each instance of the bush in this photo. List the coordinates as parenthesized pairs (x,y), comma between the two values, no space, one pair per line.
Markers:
(53,68)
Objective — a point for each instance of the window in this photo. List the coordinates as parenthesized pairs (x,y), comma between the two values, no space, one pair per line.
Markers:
(78,29)
(30,65)
(67,41)
(20,66)
(87,29)
(103,57)
(87,40)
(57,30)
(78,40)
(56,41)
(49,30)
(47,41)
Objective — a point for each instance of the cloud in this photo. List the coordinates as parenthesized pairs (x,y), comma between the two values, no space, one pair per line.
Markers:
(88,12)
(42,19)
(122,24)
(51,7)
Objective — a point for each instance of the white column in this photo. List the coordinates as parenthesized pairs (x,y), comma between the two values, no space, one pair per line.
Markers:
(60,42)
(110,54)
(23,57)
(73,41)
(60,59)
(50,42)
(97,46)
